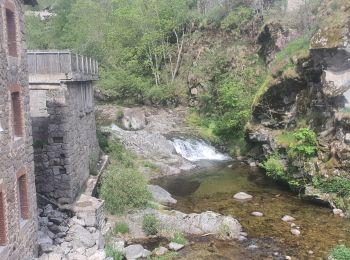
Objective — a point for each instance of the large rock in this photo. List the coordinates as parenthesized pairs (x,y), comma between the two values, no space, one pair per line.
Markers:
(134,251)
(242,196)
(80,237)
(133,119)
(160,195)
(89,210)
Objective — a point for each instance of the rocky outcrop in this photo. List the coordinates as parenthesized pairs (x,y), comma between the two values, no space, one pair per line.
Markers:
(160,195)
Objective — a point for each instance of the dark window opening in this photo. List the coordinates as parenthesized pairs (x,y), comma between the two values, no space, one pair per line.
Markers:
(17,122)
(11,33)
(23,197)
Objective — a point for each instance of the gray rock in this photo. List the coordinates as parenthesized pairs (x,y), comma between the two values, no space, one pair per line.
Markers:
(77,221)
(134,251)
(46,248)
(44,238)
(160,251)
(99,255)
(81,237)
(338,212)
(146,253)
(160,195)
(242,196)
(175,246)
(119,245)
(133,119)
(347,138)
(287,218)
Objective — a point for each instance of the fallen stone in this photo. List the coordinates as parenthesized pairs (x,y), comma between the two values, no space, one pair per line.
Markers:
(55,257)
(175,246)
(133,119)
(99,255)
(146,253)
(44,238)
(46,248)
(77,221)
(134,251)
(257,214)
(81,237)
(338,212)
(160,251)
(287,218)
(160,195)
(242,196)
(295,231)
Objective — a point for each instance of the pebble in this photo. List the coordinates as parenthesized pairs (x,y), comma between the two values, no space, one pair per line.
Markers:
(338,212)
(242,196)
(295,231)
(287,218)
(288,257)
(257,214)
(310,252)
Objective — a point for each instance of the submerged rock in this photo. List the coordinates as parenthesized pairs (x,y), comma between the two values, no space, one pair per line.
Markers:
(242,196)
(160,195)
(287,218)
(295,231)
(257,214)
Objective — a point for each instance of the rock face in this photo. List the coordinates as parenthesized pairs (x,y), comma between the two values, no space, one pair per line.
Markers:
(160,195)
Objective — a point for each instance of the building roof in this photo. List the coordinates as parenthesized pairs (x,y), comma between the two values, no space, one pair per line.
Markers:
(30,2)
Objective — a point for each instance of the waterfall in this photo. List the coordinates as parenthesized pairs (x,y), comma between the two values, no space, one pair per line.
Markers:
(196,150)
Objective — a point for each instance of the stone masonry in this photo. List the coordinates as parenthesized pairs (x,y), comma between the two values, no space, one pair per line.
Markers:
(18,211)
(64,130)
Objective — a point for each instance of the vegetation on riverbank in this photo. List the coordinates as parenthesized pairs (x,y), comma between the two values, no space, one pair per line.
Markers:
(340,252)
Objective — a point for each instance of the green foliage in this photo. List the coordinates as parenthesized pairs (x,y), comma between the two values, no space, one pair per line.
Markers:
(236,17)
(124,188)
(274,167)
(286,139)
(306,145)
(338,185)
(119,155)
(179,238)
(102,140)
(340,252)
(112,251)
(150,225)
(121,228)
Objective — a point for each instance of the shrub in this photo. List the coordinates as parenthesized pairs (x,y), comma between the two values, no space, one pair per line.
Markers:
(235,18)
(340,252)
(121,228)
(179,238)
(113,252)
(338,185)
(150,224)
(306,145)
(124,188)
(118,154)
(274,168)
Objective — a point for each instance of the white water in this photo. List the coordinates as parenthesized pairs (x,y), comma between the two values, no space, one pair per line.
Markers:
(196,150)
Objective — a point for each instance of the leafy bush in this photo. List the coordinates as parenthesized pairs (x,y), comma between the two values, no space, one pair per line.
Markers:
(274,168)
(340,252)
(150,224)
(124,188)
(179,238)
(306,145)
(338,185)
(121,227)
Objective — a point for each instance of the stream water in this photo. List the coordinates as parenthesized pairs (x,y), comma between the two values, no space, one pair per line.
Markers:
(212,188)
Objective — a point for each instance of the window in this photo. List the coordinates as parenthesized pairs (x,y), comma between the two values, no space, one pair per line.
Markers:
(11,33)
(22,191)
(17,121)
(3,232)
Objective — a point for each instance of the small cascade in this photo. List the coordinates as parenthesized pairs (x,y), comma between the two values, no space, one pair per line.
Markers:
(196,150)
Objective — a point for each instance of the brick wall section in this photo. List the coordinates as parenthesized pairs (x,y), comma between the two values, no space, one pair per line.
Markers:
(64,132)
(15,153)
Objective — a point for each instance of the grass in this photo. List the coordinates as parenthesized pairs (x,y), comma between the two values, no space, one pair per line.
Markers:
(340,252)
(113,252)
(286,139)
(274,167)
(121,228)
(179,238)
(150,225)
(337,185)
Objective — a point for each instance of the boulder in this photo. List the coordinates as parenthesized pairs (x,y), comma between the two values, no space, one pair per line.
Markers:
(134,251)
(160,195)
(81,237)
(175,246)
(242,196)
(133,119)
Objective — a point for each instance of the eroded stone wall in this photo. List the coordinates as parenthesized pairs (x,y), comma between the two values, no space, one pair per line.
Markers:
(16,153)
(65,141)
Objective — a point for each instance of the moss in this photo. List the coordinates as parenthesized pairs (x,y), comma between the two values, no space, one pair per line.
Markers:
(286,139)
(263,89)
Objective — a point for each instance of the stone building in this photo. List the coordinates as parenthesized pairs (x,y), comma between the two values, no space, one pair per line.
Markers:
(64,128)
(18,214)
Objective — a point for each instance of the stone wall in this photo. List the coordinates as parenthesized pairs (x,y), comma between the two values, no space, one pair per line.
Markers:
(65,143)
(16,153)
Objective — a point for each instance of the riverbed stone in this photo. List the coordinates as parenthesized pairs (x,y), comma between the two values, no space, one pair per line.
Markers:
(295,231)
(338,212)
(242,196)
(134,251)
(287,218)
(160,195)
(160,251)
(175,246)
(257,214)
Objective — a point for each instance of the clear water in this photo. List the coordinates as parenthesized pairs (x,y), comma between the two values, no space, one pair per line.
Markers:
(212,188)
